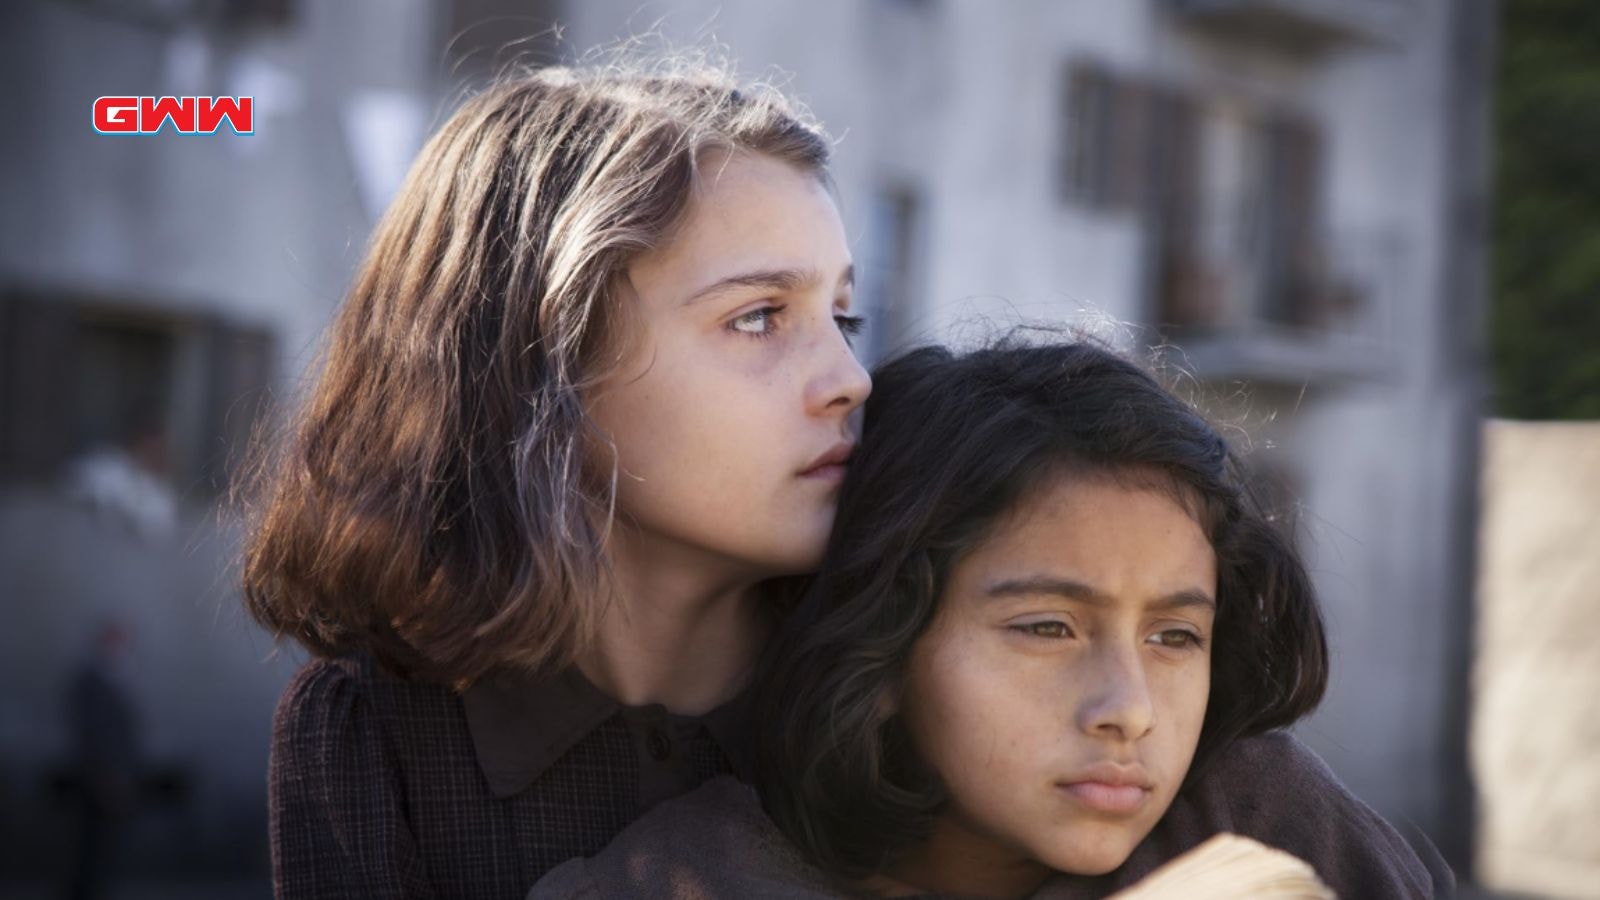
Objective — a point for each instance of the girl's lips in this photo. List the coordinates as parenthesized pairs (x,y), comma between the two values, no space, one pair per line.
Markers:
(1107,798)
(829,472)
(830,465)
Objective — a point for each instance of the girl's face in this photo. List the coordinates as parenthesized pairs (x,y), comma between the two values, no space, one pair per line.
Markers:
(1060,690)
(732,408)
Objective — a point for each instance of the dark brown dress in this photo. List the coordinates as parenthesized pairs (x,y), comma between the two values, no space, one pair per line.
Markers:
(382,788)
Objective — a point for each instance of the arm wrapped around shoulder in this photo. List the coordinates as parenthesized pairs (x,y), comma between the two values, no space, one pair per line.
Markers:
(1274,789)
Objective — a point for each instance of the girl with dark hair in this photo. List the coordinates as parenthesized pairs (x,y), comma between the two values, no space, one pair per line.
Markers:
(1048,649)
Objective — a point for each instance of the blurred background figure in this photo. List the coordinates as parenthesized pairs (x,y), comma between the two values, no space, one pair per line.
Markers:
(128,480)
(105,755)
(1293,195)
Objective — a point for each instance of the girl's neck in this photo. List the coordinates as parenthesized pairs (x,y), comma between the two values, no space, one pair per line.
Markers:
(683,629)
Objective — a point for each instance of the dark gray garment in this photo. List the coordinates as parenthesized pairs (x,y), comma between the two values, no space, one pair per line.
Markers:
(716,842)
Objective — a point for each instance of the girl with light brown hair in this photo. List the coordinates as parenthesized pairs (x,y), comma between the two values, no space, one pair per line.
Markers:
(586,404)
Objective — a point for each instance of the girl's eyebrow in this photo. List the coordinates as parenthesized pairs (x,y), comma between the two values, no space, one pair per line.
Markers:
(1077,590)
(770,279)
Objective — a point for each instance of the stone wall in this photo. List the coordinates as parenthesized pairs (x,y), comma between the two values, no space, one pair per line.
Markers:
(1536,728)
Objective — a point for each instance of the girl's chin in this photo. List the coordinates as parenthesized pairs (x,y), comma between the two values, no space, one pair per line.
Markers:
(1091,861)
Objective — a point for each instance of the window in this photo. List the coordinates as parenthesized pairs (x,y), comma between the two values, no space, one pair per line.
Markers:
(1102,160)
(1296,291)
(1227,187)
(80,376)
(123,384)
(1237,223)
(886,276)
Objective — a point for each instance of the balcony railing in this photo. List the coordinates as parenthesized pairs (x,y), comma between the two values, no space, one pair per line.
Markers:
(1333,320)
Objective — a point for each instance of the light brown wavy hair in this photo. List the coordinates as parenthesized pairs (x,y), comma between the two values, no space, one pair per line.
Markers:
(441,499)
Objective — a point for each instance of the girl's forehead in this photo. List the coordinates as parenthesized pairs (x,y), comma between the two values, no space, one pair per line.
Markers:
(753,214)
(1101,535)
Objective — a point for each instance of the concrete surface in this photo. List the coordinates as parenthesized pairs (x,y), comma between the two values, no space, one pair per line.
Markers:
(1536,729)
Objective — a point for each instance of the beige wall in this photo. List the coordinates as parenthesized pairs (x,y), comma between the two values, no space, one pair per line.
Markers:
(1536,728)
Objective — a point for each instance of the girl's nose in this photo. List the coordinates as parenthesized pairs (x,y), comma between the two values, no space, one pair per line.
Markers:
(841,383)
(1117,704)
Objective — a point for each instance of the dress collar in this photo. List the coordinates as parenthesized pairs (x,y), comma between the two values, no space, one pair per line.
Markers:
(522,722)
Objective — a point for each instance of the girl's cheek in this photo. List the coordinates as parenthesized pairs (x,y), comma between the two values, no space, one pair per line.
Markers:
(720,340)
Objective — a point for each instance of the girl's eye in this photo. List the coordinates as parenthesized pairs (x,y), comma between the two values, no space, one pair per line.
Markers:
(757,322)
(1048,629)
(1179,639)
(850,325)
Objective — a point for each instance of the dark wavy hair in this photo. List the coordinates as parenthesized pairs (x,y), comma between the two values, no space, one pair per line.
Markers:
(953,441)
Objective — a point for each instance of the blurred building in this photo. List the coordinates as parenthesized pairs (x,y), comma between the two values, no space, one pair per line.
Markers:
(1290,191)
